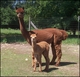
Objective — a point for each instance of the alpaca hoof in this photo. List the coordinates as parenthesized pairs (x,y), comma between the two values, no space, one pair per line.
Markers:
(52,63)
(34,71)
(57,65)
(46,69)
(40,70)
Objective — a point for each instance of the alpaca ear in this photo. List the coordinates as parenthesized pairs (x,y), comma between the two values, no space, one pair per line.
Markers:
(31,32)
(36,34)
(16,8)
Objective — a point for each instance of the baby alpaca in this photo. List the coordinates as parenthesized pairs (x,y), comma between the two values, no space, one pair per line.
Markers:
(39,49)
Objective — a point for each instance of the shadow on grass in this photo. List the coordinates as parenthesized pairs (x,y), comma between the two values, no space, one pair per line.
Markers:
(50,69)
(67,63)
(62,63)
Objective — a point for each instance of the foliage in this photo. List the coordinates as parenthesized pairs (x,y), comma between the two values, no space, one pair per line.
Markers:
(8,17)
(51,13)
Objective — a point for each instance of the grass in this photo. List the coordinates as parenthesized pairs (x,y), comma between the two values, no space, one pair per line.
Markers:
(15,36)
(71,40)
(14,64)
(11,36)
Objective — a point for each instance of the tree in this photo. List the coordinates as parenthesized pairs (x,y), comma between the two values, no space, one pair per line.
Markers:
(8,17)
(62,11)
(44,13)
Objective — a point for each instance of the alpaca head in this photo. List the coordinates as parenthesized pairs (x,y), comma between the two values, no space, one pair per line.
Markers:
(33,38)
(20,12)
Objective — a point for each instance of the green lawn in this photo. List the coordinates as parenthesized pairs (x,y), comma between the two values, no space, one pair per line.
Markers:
(14,64)
(11,36)
(14,36)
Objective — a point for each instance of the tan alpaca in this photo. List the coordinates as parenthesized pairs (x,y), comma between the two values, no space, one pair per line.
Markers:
(39,49)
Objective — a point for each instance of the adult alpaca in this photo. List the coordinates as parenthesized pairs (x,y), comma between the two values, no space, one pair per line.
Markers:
(59,35)
(39,49)
(50,35)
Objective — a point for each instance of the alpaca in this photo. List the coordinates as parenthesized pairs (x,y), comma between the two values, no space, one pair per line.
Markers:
(52,36)
(59,35)
(39,49)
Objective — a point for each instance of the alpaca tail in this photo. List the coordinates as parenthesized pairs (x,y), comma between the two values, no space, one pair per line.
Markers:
(64,34)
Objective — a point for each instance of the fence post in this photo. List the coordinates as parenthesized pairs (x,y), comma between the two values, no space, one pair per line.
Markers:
(29,24)
(78,29)
(33,25)
(78,23)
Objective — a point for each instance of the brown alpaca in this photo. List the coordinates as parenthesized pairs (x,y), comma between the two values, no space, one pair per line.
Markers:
(59,35)
(39,49)
(64,33)
(50,35)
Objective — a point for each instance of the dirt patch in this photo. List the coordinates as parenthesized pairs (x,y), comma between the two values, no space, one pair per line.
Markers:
(26,48)
(17,48)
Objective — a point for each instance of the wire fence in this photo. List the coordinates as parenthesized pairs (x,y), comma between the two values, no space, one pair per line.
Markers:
(66,23)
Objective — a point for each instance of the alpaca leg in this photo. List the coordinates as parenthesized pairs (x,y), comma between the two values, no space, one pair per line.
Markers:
(54,54)
(59,54)
(39,60)
(35,65)
(32,59)
(58,59)
(46,56)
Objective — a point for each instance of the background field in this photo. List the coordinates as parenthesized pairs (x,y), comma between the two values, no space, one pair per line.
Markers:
(14,51)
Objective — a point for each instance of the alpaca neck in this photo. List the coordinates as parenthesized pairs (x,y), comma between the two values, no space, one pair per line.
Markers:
(24,32)
(34,44)
(22,27)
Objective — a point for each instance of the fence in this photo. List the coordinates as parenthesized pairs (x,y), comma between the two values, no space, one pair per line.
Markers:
(66,23)
(31,23)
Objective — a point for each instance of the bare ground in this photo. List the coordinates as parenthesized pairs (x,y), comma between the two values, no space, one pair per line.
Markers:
(70,55)
(26,48)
